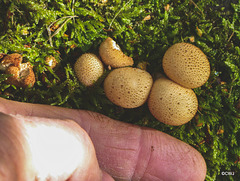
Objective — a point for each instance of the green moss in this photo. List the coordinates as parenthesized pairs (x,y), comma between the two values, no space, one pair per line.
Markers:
(67,29)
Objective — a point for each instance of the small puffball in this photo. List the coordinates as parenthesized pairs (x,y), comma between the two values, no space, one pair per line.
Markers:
(128,87)
(186,65)
(171,103)
(14,59)
(112,55)
(88,69)
(51,61)
(22,76)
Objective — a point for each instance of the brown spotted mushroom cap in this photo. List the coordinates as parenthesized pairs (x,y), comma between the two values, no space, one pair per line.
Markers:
(171,103)
(112,55)
(88,69)
(187,65)
(128,87)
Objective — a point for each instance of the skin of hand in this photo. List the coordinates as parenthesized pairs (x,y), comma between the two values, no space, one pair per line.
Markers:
(34,148)
(124,151)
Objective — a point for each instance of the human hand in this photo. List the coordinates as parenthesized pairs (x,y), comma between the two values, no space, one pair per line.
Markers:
(124,151)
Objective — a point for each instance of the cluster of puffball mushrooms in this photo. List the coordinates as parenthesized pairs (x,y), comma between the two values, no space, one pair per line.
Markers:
(170,100)
(22,73)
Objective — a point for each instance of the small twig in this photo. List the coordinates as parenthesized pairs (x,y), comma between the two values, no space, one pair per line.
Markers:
(118,14)
(230,91)
(58,30)
(73,2)
(58,20)
(199,112)
(15,7)
(197,7)
(50,38)
(230,37)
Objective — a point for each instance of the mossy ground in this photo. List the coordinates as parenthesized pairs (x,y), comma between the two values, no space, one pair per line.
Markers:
(144,30)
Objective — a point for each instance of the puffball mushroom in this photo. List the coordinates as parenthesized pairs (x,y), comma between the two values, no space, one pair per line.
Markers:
(171,103)
(2,55)
(22,73)
(128,87)
(22,76)
(186,65)
(112,55)
(88,69)
(14,59)
(51,61)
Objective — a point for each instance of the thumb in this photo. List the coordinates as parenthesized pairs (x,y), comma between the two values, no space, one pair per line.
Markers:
(47,149)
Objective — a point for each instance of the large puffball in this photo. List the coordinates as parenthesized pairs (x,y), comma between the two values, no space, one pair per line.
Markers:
(186,65)
(171,103)
(128,87)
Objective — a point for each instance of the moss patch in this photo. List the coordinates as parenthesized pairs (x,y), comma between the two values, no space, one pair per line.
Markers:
(144,30)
